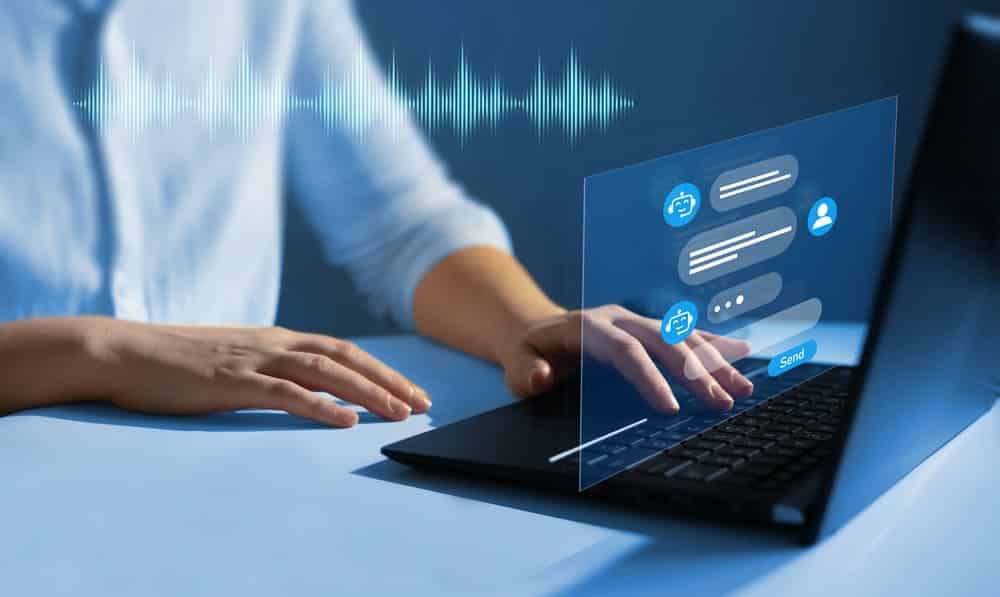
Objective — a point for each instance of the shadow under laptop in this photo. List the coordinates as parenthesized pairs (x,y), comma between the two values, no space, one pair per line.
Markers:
(690,555)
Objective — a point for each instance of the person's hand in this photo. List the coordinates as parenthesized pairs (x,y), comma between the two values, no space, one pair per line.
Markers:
(547,351)
(189,370)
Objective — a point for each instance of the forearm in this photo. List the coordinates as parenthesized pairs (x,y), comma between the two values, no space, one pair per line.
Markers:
(52,361)
(479,299)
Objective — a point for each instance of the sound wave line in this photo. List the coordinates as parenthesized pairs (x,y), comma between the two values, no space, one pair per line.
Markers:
(573,102)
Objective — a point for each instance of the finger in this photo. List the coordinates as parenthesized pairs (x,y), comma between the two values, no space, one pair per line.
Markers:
(318,372)
(281,394)
(352,356)
(728,376)
(530,374)
(674,357)
(615,346)
(732,349)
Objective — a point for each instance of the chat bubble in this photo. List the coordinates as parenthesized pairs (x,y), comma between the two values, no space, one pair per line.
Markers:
(756,182)
(758,336)
(744,297)
(732,247)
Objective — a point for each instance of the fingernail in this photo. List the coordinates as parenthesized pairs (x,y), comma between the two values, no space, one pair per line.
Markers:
(721,397)
(400,408)
(423,397)
(667,397)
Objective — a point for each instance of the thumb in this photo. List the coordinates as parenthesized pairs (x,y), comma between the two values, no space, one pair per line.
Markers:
(528,374)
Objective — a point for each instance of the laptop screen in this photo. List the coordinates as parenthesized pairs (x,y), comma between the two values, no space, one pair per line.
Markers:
(753,259)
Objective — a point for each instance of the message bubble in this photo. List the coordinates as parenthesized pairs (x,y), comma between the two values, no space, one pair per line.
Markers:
(732,247)
(759,335)
(744,297)
(756,182)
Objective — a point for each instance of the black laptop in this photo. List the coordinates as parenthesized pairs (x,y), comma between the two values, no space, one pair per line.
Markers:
(812,448)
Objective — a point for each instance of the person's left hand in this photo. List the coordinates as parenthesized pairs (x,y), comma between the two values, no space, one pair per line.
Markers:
(547,351)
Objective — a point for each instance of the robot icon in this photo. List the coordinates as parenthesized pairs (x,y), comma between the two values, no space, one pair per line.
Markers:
(681,205)
(679,322)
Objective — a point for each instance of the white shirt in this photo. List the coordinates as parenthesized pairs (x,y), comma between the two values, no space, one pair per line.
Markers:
(179,221)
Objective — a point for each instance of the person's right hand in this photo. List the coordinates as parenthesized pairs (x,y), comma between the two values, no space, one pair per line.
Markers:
(190,370)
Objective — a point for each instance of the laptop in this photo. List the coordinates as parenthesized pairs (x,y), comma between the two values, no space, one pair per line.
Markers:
(813,447)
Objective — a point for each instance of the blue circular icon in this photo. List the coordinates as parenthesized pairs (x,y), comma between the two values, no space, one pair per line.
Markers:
(822,216)
(679,322)
(681,205)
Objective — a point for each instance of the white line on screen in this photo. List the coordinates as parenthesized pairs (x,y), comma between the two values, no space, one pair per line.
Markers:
(755,186)
(740,183)
(562,455)
(723,243)
(742,245)
(712,264)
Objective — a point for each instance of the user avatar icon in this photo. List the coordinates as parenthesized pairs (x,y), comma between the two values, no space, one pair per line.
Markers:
(822,216)
(681,205)
(679,322)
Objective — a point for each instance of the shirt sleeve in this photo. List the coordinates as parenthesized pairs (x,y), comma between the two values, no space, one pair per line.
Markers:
(382,204)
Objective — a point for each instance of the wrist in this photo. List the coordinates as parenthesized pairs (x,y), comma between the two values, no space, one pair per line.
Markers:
(102,343)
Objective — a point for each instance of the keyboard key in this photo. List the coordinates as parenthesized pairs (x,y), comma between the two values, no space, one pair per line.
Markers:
(655,444)
(784,451)
(606,448)
(783,428)
(699,472)
(691,428)
(749,442)
(770,435)
(615,463)
(722,460)
(803,444)
(673,470)
(823,428)
(755,470)
(645,431)
(737,451)
(597,459)
(820,437)
(718,436)
(704,444)
(674,436)
(735,429)
(792,420)
(663,464)
(689,453)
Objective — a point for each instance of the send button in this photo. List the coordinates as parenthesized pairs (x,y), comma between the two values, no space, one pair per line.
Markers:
(791,358)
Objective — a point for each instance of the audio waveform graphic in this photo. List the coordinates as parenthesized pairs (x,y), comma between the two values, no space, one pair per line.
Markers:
(241,100)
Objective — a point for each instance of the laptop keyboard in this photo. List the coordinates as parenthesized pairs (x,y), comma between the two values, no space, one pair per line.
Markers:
(764,443)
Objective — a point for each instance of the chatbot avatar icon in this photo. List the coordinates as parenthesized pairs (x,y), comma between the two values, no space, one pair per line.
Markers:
(679,322)
(681,205)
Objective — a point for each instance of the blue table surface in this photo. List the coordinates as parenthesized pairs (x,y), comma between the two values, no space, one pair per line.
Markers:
(97,501)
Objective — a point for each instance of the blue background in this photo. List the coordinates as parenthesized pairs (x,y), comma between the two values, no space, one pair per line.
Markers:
(699,71)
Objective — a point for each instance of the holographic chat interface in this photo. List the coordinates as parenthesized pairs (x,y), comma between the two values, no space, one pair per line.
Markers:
(761,253)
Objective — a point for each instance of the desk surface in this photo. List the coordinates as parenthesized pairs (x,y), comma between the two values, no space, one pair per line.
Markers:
(98,501)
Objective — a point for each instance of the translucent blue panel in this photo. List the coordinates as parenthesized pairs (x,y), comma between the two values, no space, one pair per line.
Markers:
(743,254)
